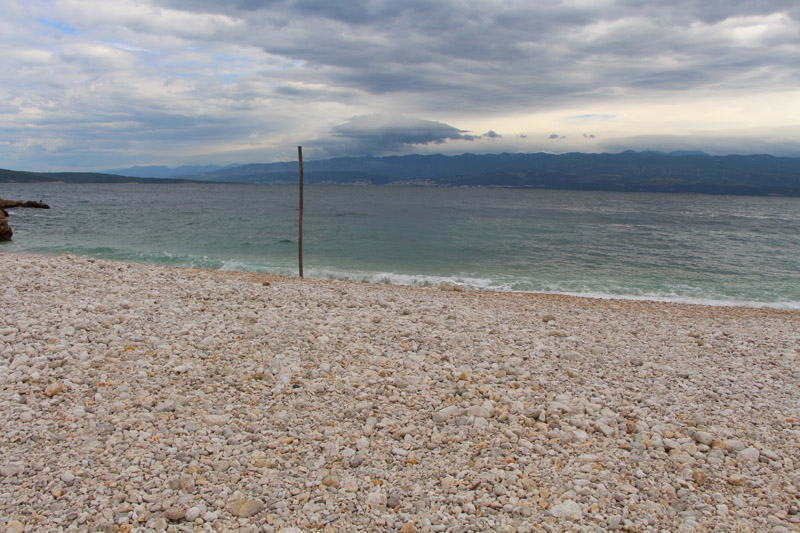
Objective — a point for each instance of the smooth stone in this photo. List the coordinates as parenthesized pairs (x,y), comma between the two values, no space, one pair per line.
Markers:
(174,513)
(53,388)
(408,430)
(376,499)
(193,513)
(393,500)
(478,411)
(614,523)
(187,483)
(216,420)
(245,508)
(680,457)
(749,454)
(14,526)
(699,477)
(12,469)
(703,437)
(165,406)
(332,481)
(768,455)
(408,527)
(443,415)
(567,510)
(734,445)
(736,479)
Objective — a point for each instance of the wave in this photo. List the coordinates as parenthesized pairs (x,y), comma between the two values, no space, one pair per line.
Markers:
(785,305)
(500,283)
(518,285)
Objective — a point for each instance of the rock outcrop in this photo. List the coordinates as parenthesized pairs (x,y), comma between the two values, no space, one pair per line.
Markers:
(5,230)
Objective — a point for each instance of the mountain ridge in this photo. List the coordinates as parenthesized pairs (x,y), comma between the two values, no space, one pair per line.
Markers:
(23,176)
(689,172)
(633,171)
(162,171)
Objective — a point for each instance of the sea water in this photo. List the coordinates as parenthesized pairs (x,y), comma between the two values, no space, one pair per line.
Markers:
(690,248)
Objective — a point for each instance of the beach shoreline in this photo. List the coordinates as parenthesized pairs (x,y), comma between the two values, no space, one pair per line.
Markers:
(143,398)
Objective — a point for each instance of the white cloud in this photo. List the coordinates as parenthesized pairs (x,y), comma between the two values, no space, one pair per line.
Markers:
(145,18)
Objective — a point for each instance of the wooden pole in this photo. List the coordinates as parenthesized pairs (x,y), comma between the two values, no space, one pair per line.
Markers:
(300,224)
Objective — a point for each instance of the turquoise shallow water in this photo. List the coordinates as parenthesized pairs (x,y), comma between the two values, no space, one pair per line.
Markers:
(704,249)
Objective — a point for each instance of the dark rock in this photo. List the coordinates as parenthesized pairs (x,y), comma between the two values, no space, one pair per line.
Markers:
(5,230)
(10,204)
(393,500)
(35,205)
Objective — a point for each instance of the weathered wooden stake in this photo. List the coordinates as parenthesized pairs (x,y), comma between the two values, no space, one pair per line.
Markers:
(300,225)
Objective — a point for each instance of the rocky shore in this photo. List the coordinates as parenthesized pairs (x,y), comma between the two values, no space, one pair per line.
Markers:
(142,398)
(5,230)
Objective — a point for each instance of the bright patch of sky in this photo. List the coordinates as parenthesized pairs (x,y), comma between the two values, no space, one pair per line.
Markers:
(597,116)
(130,48)
(63,28)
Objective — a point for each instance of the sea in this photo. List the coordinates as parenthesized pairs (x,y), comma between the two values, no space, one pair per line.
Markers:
(718,250)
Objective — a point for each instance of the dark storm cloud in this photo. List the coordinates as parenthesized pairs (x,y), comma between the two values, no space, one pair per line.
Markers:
(528,54)
(382,134)
(354,12)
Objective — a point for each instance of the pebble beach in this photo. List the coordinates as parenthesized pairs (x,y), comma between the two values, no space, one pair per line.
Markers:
(145,398)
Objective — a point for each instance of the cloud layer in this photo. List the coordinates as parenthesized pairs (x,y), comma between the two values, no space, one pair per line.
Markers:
(376,134)
(93,85)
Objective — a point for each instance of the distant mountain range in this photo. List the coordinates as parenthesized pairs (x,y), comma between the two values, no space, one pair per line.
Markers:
(690,172)
(156,171)
(17,176)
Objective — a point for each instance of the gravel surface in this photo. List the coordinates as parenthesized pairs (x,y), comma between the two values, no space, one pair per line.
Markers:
(142,398)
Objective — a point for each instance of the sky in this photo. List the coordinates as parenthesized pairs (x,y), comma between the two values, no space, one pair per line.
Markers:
(91,84)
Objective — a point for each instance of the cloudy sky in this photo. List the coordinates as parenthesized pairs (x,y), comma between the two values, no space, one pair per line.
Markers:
(91,84)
